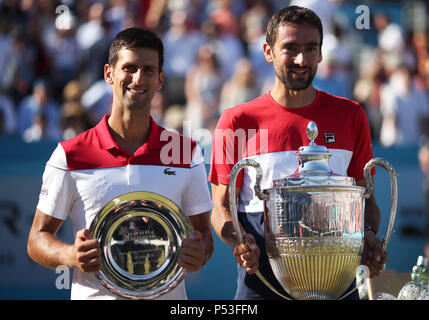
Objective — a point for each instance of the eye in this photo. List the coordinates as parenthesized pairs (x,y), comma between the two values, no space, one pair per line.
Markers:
(312,49)
(289,48)
(129,68)
(149,70)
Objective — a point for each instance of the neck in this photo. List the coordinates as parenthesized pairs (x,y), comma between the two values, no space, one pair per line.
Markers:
(130,129)
(293,98)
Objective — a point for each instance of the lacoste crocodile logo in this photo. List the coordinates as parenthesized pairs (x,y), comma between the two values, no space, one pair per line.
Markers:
(168,172)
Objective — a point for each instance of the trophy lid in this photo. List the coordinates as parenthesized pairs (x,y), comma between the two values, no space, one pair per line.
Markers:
(313,157)
(313,166)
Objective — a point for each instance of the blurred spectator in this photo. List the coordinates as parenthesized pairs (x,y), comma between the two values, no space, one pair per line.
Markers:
(97,100)
(65,56)
(97,56)
(324,9)
(151,13)
(7,57)
(338,59)
(225,18)
(405,110)
(174,118)
(25,56)
(240,88)
(116,13)
(12,12)
(367,91)
(74,119)
(410,53)
(253,24)
(203,85)
(227,48)
(180,50)
(91,30)
(8,116)
(43,21)
(195,11)
(421,48)
(38,129)
(330,80)
(390,35)
(40,110)
(158,107)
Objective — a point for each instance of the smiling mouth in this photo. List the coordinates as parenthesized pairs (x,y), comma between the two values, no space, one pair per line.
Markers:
(137,91)
(299,71)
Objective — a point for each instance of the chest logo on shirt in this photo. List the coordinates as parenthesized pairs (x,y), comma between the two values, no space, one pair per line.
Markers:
(329,137)
(169,172)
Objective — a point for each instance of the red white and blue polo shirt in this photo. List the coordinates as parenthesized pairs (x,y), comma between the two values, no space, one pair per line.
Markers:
(273,134)
(86,172)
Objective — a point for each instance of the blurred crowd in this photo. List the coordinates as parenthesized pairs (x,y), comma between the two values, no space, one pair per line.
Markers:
(52,55)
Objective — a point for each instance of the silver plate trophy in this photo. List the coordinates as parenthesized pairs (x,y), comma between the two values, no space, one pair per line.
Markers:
(140,235)
(314,223)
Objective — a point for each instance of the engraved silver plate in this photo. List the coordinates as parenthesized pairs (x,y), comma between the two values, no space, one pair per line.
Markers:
(140,234)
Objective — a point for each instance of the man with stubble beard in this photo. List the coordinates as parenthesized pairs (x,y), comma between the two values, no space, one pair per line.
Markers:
(293,45)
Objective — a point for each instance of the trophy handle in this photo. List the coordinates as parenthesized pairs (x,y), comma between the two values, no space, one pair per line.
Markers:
(232,194)
(233,205)
(393,188)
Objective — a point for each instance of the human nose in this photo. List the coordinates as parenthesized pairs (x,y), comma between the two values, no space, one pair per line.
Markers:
(138,77)
(300,59)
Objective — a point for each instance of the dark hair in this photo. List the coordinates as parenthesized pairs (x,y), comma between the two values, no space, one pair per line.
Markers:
(132,38)
(292,15)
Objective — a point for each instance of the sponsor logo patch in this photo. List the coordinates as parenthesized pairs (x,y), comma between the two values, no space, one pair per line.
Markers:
(44,192)
(329,137)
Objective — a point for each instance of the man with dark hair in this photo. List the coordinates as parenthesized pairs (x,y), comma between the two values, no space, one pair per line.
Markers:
(293,46)
(293,15)
(134,38)
(122,154)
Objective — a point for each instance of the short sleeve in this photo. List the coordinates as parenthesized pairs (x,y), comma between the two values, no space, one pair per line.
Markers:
(362,152)
(224,152)
(57,192)
(196,195)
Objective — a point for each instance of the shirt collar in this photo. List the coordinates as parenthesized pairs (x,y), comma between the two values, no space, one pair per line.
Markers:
(107,142)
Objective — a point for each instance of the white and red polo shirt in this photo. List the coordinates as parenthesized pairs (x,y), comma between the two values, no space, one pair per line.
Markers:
(271,134)
(88,171)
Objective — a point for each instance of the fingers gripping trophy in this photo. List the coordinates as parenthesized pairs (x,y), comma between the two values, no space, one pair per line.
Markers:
(314,222)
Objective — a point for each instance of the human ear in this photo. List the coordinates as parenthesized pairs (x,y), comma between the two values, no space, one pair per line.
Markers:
(268,52)
(160,80)
(108,72)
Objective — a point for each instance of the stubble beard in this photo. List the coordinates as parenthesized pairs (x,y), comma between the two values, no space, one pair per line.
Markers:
(285,77)
(136,104)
